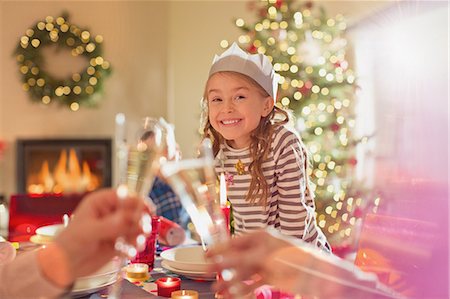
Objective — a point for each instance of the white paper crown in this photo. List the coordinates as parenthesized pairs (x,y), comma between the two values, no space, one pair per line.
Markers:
(256,66)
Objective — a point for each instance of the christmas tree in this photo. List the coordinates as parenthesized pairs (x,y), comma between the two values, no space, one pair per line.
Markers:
(308,50)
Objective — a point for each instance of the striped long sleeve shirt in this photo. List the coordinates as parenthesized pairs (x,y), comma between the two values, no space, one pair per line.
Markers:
(290,209)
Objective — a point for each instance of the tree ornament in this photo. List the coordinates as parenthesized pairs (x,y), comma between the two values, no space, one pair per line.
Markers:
(80,89)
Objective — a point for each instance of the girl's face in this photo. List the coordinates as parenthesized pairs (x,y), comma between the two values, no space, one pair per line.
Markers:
(235,107)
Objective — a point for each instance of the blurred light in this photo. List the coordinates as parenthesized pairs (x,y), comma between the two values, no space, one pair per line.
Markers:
(74,106)
(224,43)
(240,22)
(291,50)
(331,22)
(322,72)
(331,165)
(46,99)
(285,101)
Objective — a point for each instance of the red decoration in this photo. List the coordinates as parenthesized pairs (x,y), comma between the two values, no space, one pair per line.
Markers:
(278,3)
(352,161)
(309,4)
(251,49)
(335,127)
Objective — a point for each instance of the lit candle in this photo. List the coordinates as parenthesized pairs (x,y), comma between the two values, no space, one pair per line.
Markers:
(223,190)
(137,271)
(167,285)
(185,294)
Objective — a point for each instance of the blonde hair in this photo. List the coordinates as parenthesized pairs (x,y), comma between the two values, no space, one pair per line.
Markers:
(260,144)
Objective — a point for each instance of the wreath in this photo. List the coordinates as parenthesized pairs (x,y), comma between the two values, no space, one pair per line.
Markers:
(81,89)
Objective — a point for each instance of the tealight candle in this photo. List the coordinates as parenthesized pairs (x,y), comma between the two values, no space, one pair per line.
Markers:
(167,285)
(137,271)
(185,294)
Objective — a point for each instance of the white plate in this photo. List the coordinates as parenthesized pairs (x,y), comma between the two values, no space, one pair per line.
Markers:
(186,258)
(101,278)
(190,274)
(50,230)
(41,240)
(86,291)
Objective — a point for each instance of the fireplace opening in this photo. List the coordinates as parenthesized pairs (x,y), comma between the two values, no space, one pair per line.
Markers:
(63,165)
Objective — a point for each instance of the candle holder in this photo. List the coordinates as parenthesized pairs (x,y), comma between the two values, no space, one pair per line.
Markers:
(185,294)
(167,285)
(137,272)
(147,256)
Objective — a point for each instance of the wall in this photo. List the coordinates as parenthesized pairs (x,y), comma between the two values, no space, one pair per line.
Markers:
(196,29)
(135,42)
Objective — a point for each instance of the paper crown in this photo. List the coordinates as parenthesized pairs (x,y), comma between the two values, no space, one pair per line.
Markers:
(256,66)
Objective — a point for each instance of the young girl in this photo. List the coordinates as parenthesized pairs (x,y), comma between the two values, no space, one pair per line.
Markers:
(265,163)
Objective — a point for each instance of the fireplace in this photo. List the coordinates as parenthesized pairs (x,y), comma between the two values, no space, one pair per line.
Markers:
(63,165)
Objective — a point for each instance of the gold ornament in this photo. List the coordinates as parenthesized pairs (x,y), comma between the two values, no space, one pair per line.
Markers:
(240,167)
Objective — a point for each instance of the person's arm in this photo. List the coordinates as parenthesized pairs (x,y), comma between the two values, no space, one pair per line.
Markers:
(291,265)
(80,249)
(23,278)
(295,206)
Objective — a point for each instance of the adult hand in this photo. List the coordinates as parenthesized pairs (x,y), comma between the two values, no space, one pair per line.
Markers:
(88,242)
(264,258)
(246,258)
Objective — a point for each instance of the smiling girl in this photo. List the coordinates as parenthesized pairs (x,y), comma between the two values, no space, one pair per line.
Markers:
(265,163)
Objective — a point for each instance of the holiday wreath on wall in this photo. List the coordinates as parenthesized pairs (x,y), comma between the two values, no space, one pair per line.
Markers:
(81,88)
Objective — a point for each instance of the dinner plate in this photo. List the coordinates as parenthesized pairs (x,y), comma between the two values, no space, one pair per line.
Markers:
(82,292)
(40,240)
(102,278)
(195,275)
(190,258)
(50,230)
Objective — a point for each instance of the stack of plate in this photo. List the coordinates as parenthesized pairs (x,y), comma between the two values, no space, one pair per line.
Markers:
(46,234)
(102,278)
(187,261)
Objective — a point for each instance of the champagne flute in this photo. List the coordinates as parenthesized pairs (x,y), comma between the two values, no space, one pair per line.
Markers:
(140,147)
(195,182)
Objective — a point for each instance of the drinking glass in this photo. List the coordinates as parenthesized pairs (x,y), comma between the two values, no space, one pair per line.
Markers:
(194,181)
(141,147)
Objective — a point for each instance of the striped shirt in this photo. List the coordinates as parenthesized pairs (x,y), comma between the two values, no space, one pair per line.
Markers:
(289,207)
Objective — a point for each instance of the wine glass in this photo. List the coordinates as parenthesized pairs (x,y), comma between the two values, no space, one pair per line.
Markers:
(141,147)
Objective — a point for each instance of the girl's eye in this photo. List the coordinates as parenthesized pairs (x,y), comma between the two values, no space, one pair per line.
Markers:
(240,97)
(216,100)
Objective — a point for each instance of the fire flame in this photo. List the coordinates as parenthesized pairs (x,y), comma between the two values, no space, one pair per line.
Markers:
(67,176)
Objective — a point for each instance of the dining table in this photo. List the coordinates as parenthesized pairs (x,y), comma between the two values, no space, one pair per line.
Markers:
(148,288)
